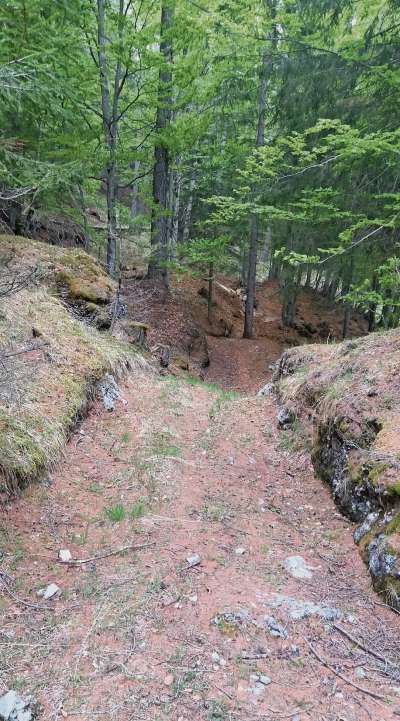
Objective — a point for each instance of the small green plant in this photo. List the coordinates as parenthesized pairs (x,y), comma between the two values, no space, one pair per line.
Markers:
(217,711)
(95,488)
(116,513)
(138,510)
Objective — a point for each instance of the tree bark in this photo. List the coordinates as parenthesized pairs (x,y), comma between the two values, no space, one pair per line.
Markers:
(210,290)
(159,218)
(110,124)
(187,218)
(260,139)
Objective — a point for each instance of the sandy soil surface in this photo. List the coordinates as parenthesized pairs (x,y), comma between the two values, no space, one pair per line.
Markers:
(201,618)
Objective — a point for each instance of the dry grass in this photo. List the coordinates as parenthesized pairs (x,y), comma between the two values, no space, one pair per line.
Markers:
(45,389)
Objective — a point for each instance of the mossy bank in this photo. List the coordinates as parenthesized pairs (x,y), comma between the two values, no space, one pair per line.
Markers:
(349,394)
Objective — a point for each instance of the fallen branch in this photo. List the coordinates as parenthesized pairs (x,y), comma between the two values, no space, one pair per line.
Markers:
(359,644)
(81,561)
(343,678)
(28,604)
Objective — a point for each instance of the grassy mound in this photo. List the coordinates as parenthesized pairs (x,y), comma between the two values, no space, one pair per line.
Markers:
(50,360)
(351,394)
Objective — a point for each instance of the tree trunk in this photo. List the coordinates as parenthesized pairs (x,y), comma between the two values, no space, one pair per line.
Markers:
(110,125)
(135,191)
(260,139)
(187,217)
(372,307)
(175,196)
(210,290)
(346,287)
(159,217)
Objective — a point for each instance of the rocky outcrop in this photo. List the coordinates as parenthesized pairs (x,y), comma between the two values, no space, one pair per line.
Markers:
(348,395)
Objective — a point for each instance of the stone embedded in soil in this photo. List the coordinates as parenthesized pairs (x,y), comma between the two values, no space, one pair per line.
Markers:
(14,708)
(108,391)
(194,560)
(49,592)
(169,680)
(285,418)
(266,390)
(64,555)
(240,551)
(275,628)
(299,609)
(297,567)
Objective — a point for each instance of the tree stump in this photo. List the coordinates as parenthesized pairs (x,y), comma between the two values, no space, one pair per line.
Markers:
(138,333)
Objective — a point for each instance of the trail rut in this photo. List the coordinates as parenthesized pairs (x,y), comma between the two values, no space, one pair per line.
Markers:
(151,635)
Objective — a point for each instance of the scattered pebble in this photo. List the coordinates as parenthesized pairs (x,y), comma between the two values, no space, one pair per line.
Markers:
(297,567)
(194,560)
(14,708)
(240,551)
(51,590)
(169,680)
(275,628)
(64,555)
(360,672)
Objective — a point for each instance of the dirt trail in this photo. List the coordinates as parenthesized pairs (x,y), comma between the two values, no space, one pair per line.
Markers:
(145,635)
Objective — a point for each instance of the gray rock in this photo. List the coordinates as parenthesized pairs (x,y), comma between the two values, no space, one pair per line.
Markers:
(285,417)
(265,680)
(365,527)
(194,560)
(64,555)
(275,628)
(240,551)
(297,567)
(108,391)
(299,609)
(14,708)
(267,390)
(360,673)
(7,705)
(49,591)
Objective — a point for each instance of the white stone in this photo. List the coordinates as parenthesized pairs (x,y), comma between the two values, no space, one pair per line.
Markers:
(49,591)
(240,551)
(64,555)
(7,704)
(265,680)
(297,567)
(194,560)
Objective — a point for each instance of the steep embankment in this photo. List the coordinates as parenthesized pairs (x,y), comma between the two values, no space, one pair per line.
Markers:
(350,393)
(50,359)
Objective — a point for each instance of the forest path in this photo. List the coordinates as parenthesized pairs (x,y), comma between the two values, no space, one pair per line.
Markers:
(151,635)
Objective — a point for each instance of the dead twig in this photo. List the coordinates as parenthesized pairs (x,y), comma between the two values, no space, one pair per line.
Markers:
(319,658)
(360,645)
(81,561)
(21,601)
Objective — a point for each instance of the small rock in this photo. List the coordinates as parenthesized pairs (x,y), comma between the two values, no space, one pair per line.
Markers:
(215,657)
(285,418)
(14,708)
(193,599)
(258,689)
(275,628)
(265,680)
(194,560)
(266,390)
(49,591)
(169,680)
(109,391)
(64,555)
(7,704)
(360,673)
(396,690)
(297,567)
(240,551)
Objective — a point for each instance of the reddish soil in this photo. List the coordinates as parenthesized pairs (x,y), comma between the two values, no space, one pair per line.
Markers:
(144,635)
(179,320)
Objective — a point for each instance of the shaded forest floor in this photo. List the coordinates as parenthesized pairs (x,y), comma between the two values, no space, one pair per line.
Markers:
(216,349)
(206,621)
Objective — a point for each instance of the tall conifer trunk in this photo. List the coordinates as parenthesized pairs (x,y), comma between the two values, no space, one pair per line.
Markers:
(159,219)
